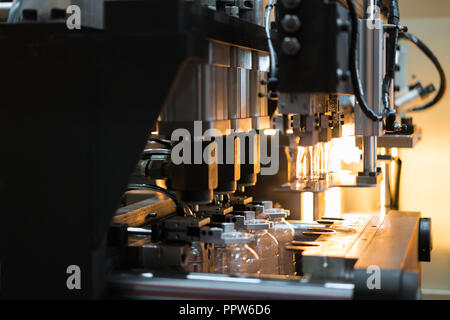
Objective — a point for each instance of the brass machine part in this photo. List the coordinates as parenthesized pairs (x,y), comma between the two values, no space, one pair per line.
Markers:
(139,213)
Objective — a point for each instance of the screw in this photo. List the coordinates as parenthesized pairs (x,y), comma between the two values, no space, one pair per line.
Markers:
(342,25)
(290,23)
(341,75)
(290,46)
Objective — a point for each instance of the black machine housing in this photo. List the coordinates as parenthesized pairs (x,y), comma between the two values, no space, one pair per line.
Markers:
(321,64)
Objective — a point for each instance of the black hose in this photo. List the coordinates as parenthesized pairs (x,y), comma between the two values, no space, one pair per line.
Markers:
(272,53)
(154,188)
(166,143)
(391,49)
(443,85)
(354,65)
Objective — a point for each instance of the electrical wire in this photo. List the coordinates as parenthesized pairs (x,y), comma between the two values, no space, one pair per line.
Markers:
(162,142)
(394,20)
(443,82)
(354,66)
(154,188)
(148,153)
(187,211)
(272,53)
(15,11)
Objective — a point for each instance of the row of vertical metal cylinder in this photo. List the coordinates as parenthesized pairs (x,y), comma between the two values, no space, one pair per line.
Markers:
(229,91)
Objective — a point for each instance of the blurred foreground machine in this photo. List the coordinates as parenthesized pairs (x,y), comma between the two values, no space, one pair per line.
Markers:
(163,132)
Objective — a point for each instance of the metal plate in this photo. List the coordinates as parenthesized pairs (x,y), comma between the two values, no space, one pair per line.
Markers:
(219,286)
(341,179)
(395,141)
(339,250)
(393,255)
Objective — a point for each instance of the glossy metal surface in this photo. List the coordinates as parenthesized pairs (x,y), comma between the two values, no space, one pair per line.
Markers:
(218,286)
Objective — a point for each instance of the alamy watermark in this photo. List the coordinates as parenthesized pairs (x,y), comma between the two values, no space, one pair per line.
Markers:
(73,21)
(73,281)
(374,280)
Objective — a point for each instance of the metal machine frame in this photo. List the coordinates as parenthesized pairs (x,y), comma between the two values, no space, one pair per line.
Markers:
(78,114)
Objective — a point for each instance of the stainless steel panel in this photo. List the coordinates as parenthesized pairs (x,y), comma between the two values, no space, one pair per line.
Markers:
(394,252)
(241,58)
(219,54)
(395,141)
(371,48)
(218,286)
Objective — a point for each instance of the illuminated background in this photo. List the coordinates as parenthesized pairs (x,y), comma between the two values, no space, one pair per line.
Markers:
(425,179)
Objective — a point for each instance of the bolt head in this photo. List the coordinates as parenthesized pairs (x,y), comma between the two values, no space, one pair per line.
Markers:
(290,23)
(290,46)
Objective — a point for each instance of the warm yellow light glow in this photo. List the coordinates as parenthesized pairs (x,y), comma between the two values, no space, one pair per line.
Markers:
(383,191)
(333,202)
(299,167)
(337,151)
(289,131)
(270,132)
(348,130)
(394,152)
(383,185)
(344,149)
(307,205)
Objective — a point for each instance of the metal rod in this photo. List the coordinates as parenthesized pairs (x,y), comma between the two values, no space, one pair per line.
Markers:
(387,180)
(318,205)
(369,14)
(370,153)
(140,231)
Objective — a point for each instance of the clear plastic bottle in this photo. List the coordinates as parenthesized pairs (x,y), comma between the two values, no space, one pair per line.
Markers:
(240,258)
(265,245)
(219,263)
(219,256)
(195,259)
(319,163)
(301,165)
(283,232)
(324,164)
(306,170)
